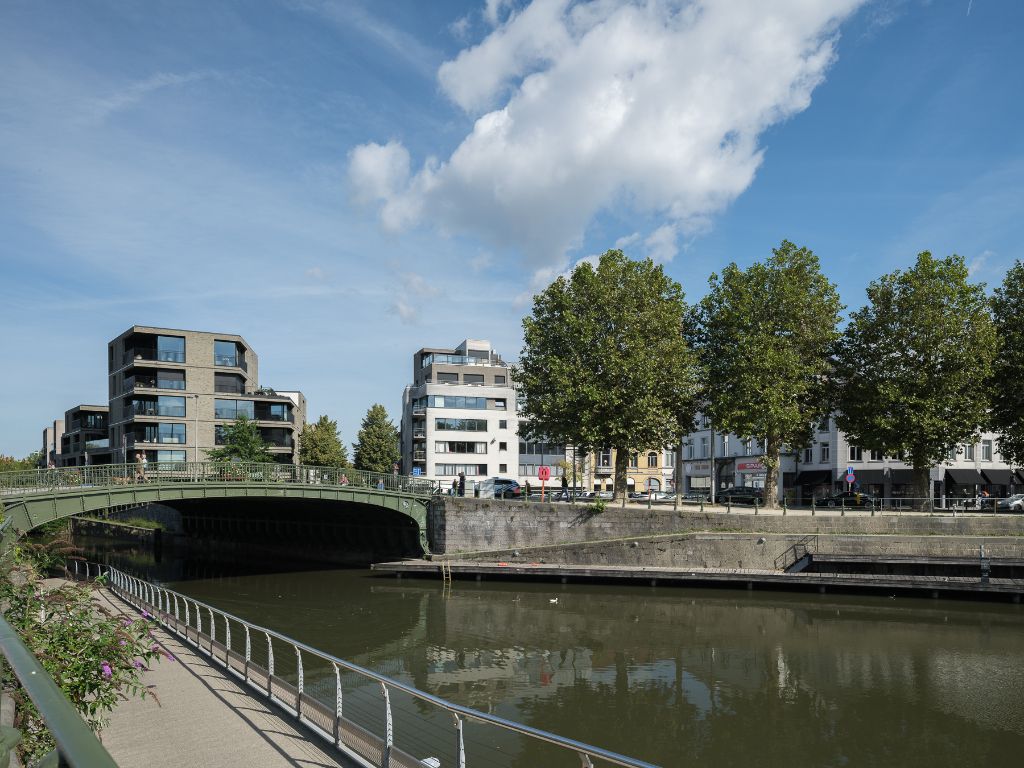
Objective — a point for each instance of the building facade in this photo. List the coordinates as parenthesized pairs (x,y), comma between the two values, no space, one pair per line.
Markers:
(459,414)
(820,469)
(85,440)
(52,435)
(650,470)
(173,391)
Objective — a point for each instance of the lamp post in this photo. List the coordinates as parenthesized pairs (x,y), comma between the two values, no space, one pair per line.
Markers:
(195,427)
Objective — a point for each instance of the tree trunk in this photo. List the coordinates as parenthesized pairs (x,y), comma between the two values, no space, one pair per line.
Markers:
(771,468)
(621,469)
(922,487)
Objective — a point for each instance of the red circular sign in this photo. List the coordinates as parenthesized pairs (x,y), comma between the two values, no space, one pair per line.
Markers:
(544,473)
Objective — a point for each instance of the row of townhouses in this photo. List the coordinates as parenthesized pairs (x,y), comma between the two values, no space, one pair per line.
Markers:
(170,394)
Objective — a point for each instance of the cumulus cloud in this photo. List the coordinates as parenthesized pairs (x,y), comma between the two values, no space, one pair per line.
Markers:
(652,106)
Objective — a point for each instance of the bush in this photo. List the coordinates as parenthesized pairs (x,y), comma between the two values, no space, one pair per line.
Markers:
(96,657)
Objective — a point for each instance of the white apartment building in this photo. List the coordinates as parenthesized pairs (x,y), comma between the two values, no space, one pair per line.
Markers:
(459,414)
(821,468)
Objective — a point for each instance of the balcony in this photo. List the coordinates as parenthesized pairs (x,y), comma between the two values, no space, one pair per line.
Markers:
(150,354)
(419,434)
(419,455)
(604,470)
(230,361)
(230,389)
(419,410)
(96,445)
(429,360)
(145,408)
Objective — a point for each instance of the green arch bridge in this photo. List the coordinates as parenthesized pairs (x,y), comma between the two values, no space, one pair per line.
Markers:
(34,497)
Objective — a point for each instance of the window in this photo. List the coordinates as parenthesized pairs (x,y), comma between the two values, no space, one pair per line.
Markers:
(447,378)
(670,459)
(823,426)
(502,424)
(170,379)
(499,405)
(472,378)
(502,446)
(604,458)
(855,453)
(226,353)
(825,452)
(808,455)
(652,460)
(703,447)
(232,409)
(689,450)
(457,401)
(747,444)
(171,433)
(969,452)
(461,425)
(459,446)
(168,405)
(634,460)
(499,379)
(503,467)
(170,455)
(470,470)
(986,450)
(876,456)
(170,349)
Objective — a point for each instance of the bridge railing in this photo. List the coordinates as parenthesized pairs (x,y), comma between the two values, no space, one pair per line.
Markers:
(107,475)
(376,718)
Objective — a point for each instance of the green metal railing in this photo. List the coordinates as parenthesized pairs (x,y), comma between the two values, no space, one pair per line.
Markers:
(108,475)
(77,745)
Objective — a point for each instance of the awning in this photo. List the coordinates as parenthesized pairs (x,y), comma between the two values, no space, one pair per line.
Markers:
(814,477)
(1018,477)
(964,476)
(998,476)
(867,476)
(902,476)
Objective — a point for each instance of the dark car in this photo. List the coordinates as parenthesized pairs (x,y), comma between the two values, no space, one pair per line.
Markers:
(740,495)
(505,488)
(848,499)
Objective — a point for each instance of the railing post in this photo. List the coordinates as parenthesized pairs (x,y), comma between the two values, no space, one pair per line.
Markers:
(337,704)
(213,631)
(301,682)
(227,643)
(460,746)
(188,616)
(270,665)
(248,652)
(585,760)
(199,623)
(388,729)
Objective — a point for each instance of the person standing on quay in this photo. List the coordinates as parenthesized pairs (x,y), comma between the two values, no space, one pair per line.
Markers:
(462,483)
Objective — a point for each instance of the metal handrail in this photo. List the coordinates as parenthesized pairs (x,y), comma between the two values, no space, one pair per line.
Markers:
(110,475)
(77,744)
(160,600)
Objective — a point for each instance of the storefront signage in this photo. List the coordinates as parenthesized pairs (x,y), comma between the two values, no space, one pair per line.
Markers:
(750,466)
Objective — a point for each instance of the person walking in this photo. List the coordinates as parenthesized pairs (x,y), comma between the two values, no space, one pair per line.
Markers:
(462,483)
(565,487)
(455,487)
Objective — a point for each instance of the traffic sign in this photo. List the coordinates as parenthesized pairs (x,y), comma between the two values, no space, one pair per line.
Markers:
(417,471)
(851,479)
(544,473)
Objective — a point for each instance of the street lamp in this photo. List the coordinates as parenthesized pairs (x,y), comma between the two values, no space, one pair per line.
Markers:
(195,429)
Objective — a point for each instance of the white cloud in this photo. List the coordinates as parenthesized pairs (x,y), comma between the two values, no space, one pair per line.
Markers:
(627,240)
(661,243)
(655,106)
(977,264)
(99,109)
(481,262)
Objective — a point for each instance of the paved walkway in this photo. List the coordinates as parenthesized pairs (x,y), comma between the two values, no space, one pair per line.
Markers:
(204,718)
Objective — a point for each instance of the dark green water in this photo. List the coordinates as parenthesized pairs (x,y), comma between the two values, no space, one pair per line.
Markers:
(678,677)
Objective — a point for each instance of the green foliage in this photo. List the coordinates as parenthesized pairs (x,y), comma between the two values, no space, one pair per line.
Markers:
(765,335)
(604,362)
(95,657)
(1007,390)
(320,445)
(242,441)
(11,464)
(913,364)
(597,506)
(376,448)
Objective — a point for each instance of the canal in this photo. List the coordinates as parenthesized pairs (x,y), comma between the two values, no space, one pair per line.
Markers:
(678,677)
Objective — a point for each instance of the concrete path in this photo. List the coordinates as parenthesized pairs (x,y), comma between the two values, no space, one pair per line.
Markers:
(204,718)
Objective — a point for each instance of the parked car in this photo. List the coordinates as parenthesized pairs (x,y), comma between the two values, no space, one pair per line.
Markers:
(740,495)
(506,488)
(848,499)
(1013,503)
(654,496)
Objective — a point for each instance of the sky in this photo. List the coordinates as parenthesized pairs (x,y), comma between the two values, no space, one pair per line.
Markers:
(343,182)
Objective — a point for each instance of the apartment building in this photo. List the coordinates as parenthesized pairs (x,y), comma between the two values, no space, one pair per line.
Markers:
(49,456)
(650,470)
(173,391)
(84,440)
(820,468)
(459,414)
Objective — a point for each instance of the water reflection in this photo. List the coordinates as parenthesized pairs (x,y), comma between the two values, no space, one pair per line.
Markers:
(674,676)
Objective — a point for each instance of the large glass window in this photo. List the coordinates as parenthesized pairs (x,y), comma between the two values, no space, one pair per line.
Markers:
(171,433)
(652,460)
(969,452)
(232,409)
(447,378)
(824,452)
(225,353)
(472,378)
(986,450)
(170,455)
(457,401)
(855,453)
(461,425)
(277,412)
(170,379)
(470,470)
(876,456)
(170,349)
(169,405)
(458,446)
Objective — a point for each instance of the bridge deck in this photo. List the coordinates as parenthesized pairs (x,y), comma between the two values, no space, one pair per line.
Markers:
(204,717)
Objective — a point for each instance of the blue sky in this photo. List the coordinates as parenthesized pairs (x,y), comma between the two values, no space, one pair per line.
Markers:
(345,182)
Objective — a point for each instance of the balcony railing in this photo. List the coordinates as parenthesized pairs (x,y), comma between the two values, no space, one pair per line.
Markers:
(138,408)
(93,445)
(149,353)
(419,455)
(419,435)
(288,417)
(429,360)
(155,439)
(230,361)
(228,388)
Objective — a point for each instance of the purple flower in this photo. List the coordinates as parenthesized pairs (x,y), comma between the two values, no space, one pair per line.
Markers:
(154,648)
(126,621)
(168,655)
(138,664)
(146,614)
(122,643)
(107,671)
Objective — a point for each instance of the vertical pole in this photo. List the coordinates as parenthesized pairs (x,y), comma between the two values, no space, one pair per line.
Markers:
(270,664)
(388,732)
(337,705)
(460,746)
(714,484)
(301,683)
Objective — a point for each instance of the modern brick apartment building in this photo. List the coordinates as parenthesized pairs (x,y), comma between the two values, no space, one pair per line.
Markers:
(172,391)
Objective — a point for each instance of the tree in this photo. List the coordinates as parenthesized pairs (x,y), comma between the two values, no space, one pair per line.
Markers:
(11,464)
(604,362)
(320,445)
(1007,404)
(376,448)
(914,363)
(242,441)
(765,335)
